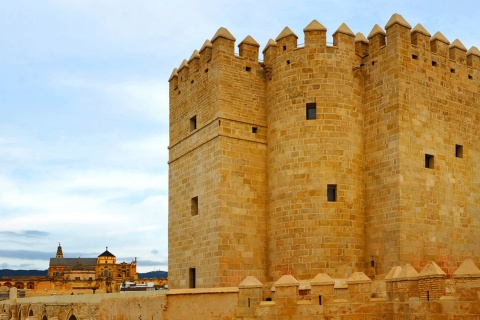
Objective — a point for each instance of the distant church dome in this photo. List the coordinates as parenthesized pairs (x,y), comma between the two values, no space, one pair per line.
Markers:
(106,253)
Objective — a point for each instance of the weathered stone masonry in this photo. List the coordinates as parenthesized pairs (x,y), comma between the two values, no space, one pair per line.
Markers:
(352,157)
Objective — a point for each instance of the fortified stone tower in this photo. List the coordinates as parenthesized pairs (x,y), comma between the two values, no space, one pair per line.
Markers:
(356,156)
(218,167)
(315,144)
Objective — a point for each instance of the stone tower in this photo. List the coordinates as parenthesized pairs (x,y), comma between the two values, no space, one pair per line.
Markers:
(218,167)
(356,156)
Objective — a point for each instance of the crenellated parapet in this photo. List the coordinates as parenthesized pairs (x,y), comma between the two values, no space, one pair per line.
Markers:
(398,36)
(404,286)
(432,283)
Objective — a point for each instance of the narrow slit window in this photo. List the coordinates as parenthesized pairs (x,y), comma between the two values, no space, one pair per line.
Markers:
(332,193)
(429,161)
(311,111)
(192,278)
(320,300)
(193,123)
(458,151)
(194,206)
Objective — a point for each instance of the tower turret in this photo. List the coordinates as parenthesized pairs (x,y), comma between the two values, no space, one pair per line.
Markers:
(315,158)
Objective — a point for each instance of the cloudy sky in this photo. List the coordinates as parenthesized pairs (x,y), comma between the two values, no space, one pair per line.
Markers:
(84,109)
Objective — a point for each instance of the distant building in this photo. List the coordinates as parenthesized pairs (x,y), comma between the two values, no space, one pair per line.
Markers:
(77,275)
(102,268)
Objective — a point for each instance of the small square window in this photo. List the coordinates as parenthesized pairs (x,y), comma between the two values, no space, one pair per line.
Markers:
(248,69)
(193,123)
(311,111)
(332,192)
(429,161)
(254,129)
(414,57)
(434,63)
(458,151)
(194,206)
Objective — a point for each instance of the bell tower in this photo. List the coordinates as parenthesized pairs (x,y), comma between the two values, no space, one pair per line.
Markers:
(59,251)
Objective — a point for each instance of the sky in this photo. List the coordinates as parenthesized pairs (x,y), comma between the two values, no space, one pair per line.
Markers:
(84,109)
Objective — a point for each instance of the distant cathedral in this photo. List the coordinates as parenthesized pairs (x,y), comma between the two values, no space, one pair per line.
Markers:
(104,267)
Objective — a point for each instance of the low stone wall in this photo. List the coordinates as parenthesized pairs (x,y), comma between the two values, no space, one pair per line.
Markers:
(405,294)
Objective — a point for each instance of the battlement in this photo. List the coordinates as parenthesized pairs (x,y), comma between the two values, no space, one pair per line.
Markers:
(398,35)
(358,294)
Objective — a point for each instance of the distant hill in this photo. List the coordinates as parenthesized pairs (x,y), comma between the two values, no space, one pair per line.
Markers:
(153,274)
(22,273)
(43,273)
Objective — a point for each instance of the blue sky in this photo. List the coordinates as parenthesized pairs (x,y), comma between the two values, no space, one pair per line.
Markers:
(84,109)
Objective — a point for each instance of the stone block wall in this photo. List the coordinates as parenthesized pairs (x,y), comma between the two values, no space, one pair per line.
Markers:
(343,158)
(218,176)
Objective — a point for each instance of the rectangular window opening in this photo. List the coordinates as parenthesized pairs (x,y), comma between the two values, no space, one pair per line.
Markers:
(434,63)
(192,278)
(303,292)
(193,123)
(414,57)
(458,151)
(452,70)
(332,193)
(254,129)
(284,48)
(470,77)
(311,111)
(194,206)
(248,69)
(288,61)
(320,300)
(429,161)
(428,295)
